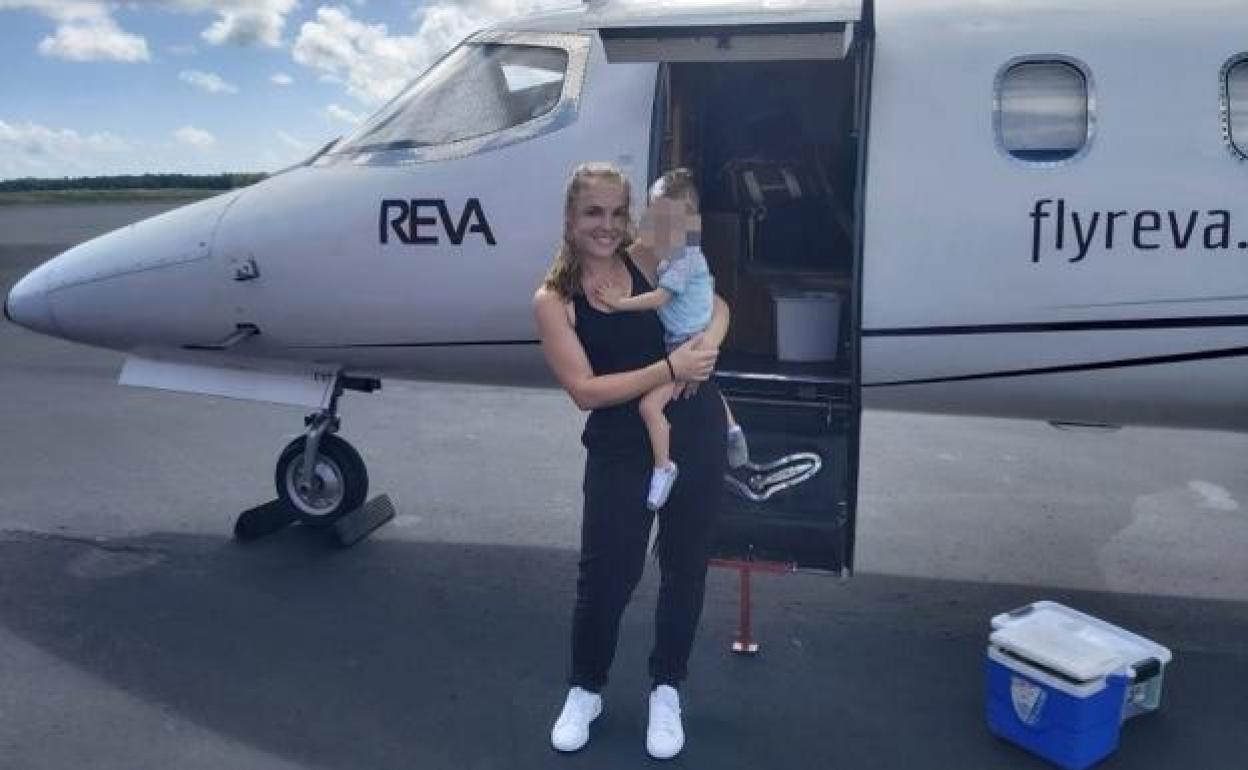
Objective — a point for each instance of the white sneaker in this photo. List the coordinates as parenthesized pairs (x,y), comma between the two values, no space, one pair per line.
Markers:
(738,451)
(571,730)
(661,483)
(665,736)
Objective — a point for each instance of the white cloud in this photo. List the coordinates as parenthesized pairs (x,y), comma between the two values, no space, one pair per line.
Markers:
(292,142)
(443,23)
(375,64)
(183,50)
(30,149)
(195,137)
(239,22)
(207,81)
(247,22)
(63,11)
(343,114)
(41,140)
(85,31)
(94,42)
(281,79)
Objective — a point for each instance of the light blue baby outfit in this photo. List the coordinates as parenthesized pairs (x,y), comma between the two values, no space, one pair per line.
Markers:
(687,276)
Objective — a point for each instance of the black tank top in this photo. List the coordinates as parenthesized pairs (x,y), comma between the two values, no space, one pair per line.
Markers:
(618,342)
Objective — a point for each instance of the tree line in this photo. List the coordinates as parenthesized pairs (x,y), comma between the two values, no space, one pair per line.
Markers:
(134,182)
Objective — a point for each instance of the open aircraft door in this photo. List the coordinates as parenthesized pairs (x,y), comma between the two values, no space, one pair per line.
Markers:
(725,30)
(764,100)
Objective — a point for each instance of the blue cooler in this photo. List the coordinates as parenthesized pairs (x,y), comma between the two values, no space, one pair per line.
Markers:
(1061,683)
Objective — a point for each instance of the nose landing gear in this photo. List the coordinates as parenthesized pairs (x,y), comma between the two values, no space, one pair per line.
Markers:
(321,480)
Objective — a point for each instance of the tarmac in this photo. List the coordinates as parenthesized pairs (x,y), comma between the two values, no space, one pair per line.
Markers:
(135,633)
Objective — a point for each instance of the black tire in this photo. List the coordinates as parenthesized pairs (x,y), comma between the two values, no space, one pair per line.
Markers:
(340,481)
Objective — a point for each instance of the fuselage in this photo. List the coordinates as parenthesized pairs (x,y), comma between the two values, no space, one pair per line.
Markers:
(1106,288)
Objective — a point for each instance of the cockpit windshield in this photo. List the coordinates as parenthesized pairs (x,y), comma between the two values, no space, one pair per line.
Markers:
(477,89)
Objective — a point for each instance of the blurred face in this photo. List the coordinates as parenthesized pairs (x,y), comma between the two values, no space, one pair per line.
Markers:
(599,219)
(669,225)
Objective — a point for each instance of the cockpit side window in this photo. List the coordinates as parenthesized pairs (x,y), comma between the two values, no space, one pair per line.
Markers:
(479,89)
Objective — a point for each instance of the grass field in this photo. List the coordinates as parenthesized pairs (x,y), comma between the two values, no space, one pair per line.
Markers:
(104,196)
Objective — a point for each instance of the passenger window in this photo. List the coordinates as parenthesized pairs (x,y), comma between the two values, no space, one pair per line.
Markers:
(478,89)
(1235,106)
(1043,111)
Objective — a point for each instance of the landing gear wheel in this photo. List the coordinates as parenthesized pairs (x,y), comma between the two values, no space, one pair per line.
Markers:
(339,481)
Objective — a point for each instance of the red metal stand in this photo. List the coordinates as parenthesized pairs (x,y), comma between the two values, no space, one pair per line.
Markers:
(744,644)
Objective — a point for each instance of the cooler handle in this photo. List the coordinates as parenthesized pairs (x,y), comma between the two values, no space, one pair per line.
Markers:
(1146,669)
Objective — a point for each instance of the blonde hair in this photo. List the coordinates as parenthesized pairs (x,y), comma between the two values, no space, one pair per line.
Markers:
(564,276)
(676,185)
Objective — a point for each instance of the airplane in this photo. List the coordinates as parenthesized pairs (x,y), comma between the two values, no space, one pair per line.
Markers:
(1011,208)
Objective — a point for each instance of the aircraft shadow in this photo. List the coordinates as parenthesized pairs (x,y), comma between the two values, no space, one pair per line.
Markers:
(446,655)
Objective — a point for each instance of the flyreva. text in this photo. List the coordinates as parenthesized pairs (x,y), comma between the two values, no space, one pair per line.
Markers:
(1073,234)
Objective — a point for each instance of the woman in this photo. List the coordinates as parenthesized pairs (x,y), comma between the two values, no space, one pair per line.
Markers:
(606,362)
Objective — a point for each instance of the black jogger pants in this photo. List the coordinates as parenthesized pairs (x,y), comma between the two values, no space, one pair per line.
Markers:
(615,532)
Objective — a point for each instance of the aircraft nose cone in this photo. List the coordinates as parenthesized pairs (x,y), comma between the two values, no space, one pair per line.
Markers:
(29,305)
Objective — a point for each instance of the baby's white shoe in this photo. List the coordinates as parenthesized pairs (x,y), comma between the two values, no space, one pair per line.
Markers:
(738,451)
(661,483)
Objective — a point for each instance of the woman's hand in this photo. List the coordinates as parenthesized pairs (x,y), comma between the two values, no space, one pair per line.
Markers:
(688,388)
(692,362)
(712,337)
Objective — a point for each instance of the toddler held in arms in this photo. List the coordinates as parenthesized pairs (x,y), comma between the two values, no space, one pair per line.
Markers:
(684,301)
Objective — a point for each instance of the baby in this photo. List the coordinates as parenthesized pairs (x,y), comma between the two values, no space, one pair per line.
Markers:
(684,301)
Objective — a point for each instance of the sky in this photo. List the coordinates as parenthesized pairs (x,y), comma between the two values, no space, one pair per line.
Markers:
(98,87)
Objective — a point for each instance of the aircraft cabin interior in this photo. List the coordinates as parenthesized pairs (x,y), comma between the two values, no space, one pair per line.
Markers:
(775,148)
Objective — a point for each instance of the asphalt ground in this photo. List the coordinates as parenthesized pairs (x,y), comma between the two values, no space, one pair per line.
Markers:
(134,633)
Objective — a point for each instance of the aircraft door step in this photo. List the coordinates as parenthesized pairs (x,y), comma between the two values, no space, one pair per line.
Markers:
(792,504)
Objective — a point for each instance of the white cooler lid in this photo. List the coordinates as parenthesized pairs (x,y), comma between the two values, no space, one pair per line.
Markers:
(1068,642)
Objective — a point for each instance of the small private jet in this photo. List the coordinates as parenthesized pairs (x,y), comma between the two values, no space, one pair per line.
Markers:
(1019,208)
